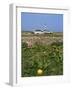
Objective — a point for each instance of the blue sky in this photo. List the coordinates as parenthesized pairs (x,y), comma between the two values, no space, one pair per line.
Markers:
(32,21)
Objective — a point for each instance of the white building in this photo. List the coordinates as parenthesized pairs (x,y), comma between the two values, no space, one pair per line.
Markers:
(41,31)
(38,32)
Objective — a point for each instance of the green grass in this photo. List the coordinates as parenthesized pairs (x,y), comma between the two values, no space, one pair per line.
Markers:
(49,58)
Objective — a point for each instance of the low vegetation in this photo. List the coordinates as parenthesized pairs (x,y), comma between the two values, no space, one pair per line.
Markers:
(47,57)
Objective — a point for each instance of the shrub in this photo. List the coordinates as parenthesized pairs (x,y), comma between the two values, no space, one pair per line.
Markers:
(24,45)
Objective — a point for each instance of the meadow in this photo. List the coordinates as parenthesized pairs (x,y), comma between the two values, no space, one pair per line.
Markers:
(41,51)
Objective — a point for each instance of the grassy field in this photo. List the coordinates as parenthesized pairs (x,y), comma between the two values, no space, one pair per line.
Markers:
(43,52)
